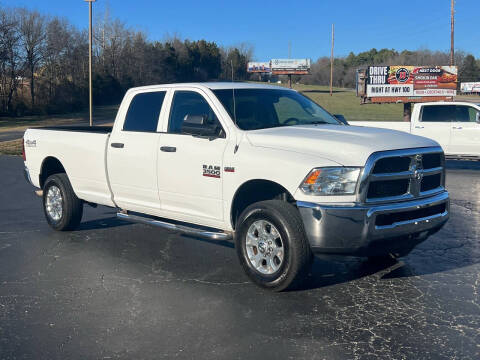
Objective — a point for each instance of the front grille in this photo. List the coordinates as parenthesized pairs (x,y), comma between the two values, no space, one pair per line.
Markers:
(403,175)
(431,182)
(392,164)
(381,189)
(390,219)
(431,161)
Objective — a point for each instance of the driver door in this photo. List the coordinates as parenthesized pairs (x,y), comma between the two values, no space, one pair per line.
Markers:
(190,166)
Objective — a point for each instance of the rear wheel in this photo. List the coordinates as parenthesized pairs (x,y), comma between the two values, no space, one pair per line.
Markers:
(63,209)
(272,245)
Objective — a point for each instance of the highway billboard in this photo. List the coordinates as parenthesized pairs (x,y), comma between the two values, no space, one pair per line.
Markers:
(470,87)
(401,83)
(259,67)
(290,66)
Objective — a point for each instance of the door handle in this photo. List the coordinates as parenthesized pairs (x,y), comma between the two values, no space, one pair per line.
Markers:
(117,145)
(168,149)
(457,127)
(419,127)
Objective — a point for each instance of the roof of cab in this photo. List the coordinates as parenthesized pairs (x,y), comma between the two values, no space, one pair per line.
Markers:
(213,86)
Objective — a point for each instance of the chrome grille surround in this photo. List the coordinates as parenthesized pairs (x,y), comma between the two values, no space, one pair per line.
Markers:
(414,175)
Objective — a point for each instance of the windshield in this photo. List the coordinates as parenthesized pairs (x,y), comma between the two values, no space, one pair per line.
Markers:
(267,108)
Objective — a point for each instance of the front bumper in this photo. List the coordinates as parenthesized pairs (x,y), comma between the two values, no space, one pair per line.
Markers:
(371,230)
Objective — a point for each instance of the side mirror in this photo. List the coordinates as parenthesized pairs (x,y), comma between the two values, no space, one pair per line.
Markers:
(477,118)
(190,119)
(341,118)
(197,125)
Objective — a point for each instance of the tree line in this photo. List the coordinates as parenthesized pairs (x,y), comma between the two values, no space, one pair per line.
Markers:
(344,68)
(44,62)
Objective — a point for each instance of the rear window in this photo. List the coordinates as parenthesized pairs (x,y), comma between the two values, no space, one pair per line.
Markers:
(439,113)
(144,111)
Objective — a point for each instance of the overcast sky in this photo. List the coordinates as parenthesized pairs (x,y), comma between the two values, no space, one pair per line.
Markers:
(270,25)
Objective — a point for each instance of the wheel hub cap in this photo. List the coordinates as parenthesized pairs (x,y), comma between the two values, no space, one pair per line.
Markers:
(264,247)
(54,203)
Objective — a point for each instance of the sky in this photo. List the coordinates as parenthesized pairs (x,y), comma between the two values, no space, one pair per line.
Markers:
(269,26)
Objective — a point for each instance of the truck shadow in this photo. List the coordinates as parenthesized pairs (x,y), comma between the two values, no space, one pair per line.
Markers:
(104,223)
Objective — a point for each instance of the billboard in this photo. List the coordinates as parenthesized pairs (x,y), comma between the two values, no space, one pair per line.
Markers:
(290,66)
(409,83)
(470,87)
(259,67)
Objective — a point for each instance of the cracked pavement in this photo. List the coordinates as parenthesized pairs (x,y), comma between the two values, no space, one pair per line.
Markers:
(118,290)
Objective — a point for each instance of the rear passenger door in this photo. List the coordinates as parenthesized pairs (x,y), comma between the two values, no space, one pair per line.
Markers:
(132,153)
(190,167)
(435,122)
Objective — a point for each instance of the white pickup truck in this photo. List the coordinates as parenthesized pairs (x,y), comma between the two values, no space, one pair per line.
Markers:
(454,125)
(262,165)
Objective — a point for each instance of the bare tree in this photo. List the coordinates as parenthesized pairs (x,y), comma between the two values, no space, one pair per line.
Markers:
(57,39)
(32,31)
(9,58)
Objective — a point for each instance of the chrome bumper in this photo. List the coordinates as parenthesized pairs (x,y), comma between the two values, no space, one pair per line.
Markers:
(369,230)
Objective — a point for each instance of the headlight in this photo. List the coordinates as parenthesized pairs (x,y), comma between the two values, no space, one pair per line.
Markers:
(331,181)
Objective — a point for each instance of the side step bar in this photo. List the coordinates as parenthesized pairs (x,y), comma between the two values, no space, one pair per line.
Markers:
(212,235)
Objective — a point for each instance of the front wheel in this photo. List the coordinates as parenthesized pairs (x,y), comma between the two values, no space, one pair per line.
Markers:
(272,245)
(63,209)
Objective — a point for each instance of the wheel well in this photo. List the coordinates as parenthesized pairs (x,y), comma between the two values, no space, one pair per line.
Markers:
(50,166)
(256,190)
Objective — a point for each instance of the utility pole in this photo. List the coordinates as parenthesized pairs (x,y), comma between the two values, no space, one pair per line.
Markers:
(331,60)
(452,38)
(290,49)
(90,40)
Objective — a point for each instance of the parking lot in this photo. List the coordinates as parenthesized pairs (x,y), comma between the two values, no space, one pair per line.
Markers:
(118,290)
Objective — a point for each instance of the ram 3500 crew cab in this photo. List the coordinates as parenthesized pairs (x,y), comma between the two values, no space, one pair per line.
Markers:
(261,164)
(454,125)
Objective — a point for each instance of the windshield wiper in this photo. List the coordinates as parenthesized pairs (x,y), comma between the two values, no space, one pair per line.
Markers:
(318,122)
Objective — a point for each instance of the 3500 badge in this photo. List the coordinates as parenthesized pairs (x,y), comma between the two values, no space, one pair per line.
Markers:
(211,171)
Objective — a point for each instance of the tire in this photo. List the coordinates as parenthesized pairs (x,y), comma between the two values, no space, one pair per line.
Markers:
(279,262)
(63,209)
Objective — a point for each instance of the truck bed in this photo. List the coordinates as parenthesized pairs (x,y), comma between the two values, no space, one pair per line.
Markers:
(82,152)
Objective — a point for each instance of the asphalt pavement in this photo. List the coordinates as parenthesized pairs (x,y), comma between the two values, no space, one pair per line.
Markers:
(118,290)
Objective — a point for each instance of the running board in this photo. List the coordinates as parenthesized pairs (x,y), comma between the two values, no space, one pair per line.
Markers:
(212,235)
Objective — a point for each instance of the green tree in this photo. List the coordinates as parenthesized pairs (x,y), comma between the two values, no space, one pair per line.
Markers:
(469,71)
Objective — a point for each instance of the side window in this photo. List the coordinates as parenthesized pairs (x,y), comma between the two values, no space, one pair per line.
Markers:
(191,113)
(472,114)
(438,113)
(462,114)
(144,111)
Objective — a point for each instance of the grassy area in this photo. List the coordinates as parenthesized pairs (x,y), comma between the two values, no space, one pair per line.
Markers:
(100,113)
(13,147)
(345,102)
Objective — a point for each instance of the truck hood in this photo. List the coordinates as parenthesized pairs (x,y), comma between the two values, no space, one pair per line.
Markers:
(346,145)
